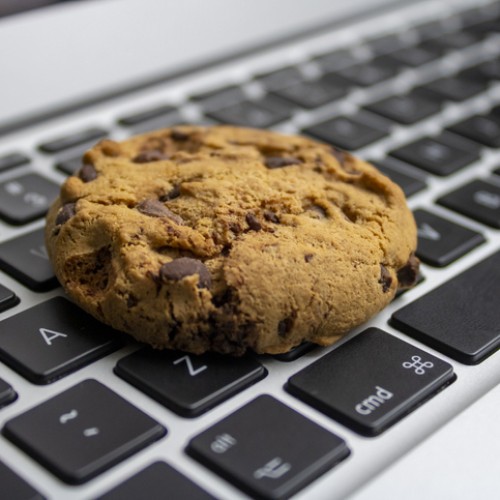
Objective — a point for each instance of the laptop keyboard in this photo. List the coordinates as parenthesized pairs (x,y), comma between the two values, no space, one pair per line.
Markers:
(80,404)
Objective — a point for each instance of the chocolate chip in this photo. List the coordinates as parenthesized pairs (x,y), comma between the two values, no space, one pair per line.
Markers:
(65,213)
(308,257)
(280,161)
(271,217)
(172,194)
(253,222)
(87,173)
(179,136)
(185,266)
(385,278)
(156,208)
(408,274)
(285,325)
(150,155)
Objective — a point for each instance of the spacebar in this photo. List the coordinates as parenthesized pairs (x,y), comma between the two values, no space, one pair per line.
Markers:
(458,461)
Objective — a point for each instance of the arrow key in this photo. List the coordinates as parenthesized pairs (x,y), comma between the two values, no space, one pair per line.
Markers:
(441,241)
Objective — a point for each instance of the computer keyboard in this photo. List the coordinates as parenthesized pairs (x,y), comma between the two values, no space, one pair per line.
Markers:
(86,413)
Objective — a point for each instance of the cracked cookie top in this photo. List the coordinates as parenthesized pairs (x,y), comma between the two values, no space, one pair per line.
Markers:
(227,239)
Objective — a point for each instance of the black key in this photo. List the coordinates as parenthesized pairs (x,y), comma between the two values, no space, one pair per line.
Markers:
(8,298)
(80,138)
(189,385)
(386,44)
(430,30)
(454,40)
(280,78)
(453,88)
(405,109)
(70,166)
(25,258)
(371,382)
(296,352)
(12,160)
(479,200)
(460,318)
(435,155)
(484,72)
(346,132)
(220,97)
(145,115)
(415,56)
(7,395)
(262,113)
(16,488)
(85,430)
(314,93)
(497,171)
(440,241)
(369,73)
(53,339)
(267,449)
(484,129)
(26,198)
(158,481)
(408,183)
(336,60)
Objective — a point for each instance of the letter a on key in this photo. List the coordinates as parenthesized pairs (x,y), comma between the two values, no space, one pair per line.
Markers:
(50,335)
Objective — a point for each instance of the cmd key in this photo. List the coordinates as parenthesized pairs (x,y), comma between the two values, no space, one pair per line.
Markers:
(460,318)
(371,382)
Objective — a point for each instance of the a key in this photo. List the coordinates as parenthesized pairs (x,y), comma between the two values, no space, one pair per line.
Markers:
(314,93)
(189,385)
(405,109)
(436,156)
(25,258)
(280,78)
(346,132)
(8,298)
(70,166)
(7,395)
(158,480)
(267,449)
(220,97)
(52,339)
(82,431)
(408,183)
(26,198)
(441,241)
(333,61)
(146,115)
(414,56)
(453,88)
(80,138)
(13,160)
(479,200)
(371,382)
(369,73)
(296,352)
(460,318)
(262,113)
(454,40)
(386,44)
(484,129)
(16,488)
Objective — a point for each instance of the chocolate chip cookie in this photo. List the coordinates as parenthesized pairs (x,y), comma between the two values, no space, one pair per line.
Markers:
(227,239)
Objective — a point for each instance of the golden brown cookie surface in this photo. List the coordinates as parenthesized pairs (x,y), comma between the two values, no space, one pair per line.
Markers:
(228,239)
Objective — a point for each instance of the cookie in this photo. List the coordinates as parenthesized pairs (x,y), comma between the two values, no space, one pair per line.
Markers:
(227,239)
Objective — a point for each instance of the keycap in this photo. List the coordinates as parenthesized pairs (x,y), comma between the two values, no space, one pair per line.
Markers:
(80,138)
(16,488)
(282,77)
(296,352)
(219,97)
(436,156)
(386,44)
(478,199)
(455,40)
(7,395)
(408,183)
(405,109)
(460,318)
(267,449)
(453,88)
(8,298)
(484,129)
(314,93)
(262,113)
(332,61)
(26,198)
(485,72)
(415,56)
(158,480)
(145,115)
(441,241)
(70,166)
(82,431)
(188,385)
(53,339)
(368,73)
(346,132)
(13,160)
(25,258)
(371,382)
